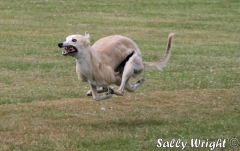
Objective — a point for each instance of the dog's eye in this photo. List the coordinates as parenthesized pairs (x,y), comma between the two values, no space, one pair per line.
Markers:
(74,40)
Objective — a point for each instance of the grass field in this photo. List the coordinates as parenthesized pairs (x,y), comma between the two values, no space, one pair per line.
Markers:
(43,105)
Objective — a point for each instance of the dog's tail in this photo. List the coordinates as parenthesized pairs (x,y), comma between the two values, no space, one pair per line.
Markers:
(163,61)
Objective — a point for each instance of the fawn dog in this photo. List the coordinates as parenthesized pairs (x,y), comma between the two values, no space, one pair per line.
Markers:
(110,60)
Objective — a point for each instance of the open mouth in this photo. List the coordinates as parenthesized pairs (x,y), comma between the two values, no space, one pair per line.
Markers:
(69,50)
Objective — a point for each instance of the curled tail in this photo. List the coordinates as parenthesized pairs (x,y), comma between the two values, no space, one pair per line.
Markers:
(163,61)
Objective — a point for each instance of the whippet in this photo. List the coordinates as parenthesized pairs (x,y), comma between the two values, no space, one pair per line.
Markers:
(111,60)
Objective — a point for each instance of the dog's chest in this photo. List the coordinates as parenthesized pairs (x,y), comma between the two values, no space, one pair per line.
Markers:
(86,74)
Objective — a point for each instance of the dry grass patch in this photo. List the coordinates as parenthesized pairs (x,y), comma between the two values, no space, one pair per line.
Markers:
(62,120)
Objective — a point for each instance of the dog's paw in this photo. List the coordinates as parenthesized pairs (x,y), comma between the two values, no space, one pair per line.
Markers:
(141,81)
(89,93)
(111,90)
(104,89)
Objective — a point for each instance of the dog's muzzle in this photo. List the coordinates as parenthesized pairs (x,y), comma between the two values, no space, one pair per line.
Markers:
(68,49)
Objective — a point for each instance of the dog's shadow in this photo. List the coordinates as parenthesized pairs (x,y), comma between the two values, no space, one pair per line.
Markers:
(131,123)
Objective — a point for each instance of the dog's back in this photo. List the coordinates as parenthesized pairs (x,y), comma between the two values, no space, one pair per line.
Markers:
(115,49)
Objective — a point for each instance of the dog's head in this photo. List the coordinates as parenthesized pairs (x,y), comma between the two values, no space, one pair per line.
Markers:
(75,44)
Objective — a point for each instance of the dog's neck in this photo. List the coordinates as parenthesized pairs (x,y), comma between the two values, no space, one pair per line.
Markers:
(88,62)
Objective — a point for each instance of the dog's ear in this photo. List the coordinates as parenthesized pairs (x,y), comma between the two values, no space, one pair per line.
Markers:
(87,36)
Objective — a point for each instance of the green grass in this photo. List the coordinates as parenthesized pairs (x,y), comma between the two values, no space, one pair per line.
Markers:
(43,105)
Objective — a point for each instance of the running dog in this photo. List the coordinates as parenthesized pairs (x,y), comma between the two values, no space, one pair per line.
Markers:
(111,60)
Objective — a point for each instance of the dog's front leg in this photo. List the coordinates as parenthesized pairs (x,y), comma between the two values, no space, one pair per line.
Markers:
(98,97)
(99,90)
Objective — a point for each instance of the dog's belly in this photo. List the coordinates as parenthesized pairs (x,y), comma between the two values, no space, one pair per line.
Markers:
(114,49)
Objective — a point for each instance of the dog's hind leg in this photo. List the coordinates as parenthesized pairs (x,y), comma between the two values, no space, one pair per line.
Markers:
(132,67)
(98,97)
(132,88)
(99,90)
(128,71)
